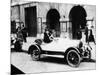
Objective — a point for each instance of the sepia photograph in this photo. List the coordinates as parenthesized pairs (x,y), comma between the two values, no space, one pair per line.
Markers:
(52,37)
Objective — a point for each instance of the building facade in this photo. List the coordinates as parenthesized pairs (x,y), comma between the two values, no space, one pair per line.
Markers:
(65,19)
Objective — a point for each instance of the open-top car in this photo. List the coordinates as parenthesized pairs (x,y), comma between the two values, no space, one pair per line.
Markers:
(73,50)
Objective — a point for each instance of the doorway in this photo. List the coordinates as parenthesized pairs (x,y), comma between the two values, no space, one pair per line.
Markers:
(52,20)
(77,16)
(31,21)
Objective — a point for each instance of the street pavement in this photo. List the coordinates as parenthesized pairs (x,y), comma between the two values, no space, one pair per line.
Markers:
(23,61)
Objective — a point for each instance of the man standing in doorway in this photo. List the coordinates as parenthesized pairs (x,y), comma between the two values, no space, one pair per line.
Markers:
(86,33)
(24,32)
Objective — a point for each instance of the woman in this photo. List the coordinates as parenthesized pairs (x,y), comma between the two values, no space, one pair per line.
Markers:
(48,37)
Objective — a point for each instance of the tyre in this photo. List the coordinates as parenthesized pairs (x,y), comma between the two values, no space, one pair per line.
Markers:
(73,58)
(35,53)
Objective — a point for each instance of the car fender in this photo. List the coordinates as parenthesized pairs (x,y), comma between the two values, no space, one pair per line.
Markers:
(74,48)
(34,46)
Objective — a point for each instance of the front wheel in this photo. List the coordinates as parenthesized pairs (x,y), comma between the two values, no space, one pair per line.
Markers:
(73,58)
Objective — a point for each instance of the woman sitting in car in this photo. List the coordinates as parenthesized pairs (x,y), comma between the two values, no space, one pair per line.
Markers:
(48,36)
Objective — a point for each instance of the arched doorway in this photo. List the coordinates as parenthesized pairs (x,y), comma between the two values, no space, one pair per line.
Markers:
(52,20)
(77,16)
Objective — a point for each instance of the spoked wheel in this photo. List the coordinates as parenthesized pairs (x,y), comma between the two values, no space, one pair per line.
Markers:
(73,58)
(35,54)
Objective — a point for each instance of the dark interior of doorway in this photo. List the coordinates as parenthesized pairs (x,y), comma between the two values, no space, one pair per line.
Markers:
(52,20)
(31,20)
(77,16)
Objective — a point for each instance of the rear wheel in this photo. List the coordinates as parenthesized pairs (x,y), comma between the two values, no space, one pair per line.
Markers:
(35,53)
(73,58)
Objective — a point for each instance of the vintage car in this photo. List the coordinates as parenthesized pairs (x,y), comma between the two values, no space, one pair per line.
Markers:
(73,50)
